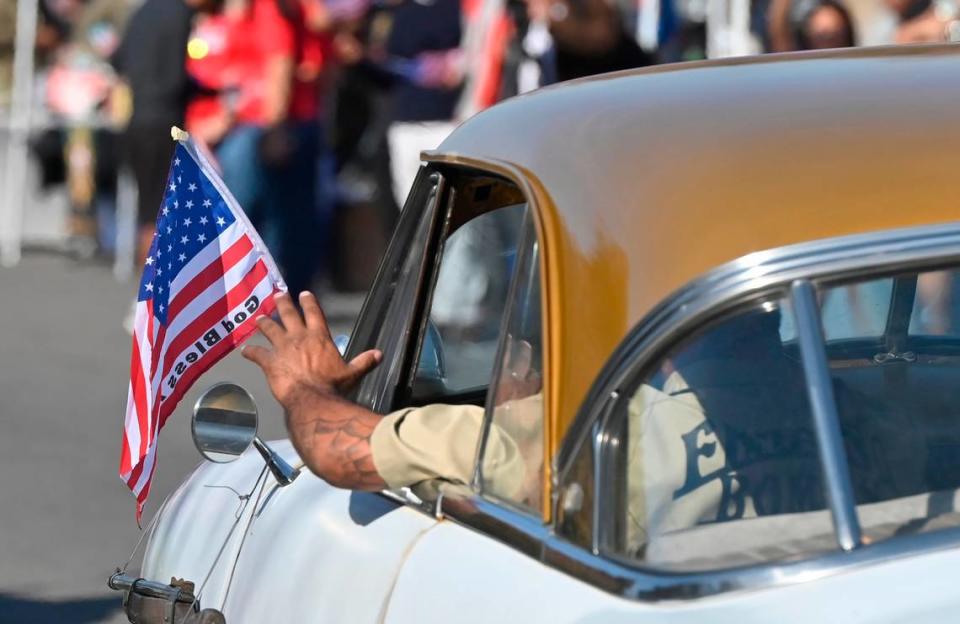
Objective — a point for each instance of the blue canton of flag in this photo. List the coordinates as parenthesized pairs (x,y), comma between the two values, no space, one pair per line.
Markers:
(192,215)
(207,277)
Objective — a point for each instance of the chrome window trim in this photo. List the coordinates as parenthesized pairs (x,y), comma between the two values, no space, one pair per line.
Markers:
(527,535)
(627,580)
(421,210)
(826,422)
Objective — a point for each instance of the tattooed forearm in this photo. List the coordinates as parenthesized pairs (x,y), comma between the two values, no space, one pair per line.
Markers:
(332,436)
(309,377)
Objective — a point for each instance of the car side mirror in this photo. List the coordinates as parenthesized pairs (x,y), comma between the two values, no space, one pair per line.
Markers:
(225,425)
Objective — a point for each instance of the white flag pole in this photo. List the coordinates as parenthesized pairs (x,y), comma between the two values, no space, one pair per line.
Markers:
(21,108)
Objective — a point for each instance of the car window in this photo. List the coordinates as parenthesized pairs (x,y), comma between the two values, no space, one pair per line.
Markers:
(466,307)
(899,413)
(721,462)
(511,466)
(850,312)
(936,308)
(718,431)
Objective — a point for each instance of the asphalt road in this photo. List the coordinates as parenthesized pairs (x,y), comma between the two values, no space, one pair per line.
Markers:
(66,519)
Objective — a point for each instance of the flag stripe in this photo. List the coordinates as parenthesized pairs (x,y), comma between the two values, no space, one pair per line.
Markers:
(142,396)
(205,278)
(211,295)
(212,315)
(230,234)
(195,304)
(217,352)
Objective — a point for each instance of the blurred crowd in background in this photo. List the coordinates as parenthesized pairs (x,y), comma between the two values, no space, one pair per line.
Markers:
(317,109)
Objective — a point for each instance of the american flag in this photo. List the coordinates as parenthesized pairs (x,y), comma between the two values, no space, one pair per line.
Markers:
(206,278)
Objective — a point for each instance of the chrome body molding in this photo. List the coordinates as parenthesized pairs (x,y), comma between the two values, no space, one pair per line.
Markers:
(627,579)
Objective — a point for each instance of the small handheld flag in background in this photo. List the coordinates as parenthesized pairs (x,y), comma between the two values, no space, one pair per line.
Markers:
(207,276)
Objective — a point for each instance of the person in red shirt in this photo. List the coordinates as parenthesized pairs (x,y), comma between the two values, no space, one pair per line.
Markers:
(269,156)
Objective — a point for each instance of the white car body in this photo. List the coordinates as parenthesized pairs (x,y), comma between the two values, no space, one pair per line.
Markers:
(310,555)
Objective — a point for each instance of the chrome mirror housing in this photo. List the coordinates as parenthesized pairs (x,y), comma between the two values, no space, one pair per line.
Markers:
(224,422)
(225,425)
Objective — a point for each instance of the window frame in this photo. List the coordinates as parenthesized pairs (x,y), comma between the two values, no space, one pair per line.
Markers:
(416,233)
(424,225)
(528,233)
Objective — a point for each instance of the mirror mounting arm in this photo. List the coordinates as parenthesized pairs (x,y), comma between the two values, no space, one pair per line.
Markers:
(283,472)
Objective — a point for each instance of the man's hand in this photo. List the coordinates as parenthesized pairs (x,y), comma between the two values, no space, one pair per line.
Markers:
(308,377)
(304,357)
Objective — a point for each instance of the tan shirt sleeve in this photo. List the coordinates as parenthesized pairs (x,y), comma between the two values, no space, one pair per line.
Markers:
(424,443)
(415,445)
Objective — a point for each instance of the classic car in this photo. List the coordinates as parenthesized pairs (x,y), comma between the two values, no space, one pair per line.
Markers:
(733,287)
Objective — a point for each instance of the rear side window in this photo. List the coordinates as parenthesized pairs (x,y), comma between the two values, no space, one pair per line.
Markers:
(899,411)
(721,459)
(720,433)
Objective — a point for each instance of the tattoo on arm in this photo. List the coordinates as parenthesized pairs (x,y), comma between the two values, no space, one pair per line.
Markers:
(332,436)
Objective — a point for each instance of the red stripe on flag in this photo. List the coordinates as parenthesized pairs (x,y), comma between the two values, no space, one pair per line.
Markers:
(207,320)
(145,492)
(135,475)
(214,355)
(213,271)
(143,414)
(139,393)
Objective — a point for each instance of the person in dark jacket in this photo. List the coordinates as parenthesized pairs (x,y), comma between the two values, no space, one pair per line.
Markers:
(152,59)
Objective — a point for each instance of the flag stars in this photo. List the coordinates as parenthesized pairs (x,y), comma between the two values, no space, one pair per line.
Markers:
(169,230)
(173,187)
(149,260)
(182,257)
(189,203)
(176,162)
(161,309)
(203,221)
(191,188)
(183,240)
(201,238)
(165,211)
(221,221)
(149,287)
(207,203)
(187,221)
(169,248)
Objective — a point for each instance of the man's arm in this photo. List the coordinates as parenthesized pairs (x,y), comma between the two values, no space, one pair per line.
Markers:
(308,377)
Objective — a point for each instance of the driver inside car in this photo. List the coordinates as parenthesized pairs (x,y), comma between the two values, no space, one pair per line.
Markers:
(352,447)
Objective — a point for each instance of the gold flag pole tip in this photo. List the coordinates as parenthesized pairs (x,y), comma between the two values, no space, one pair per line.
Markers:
(178,135)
